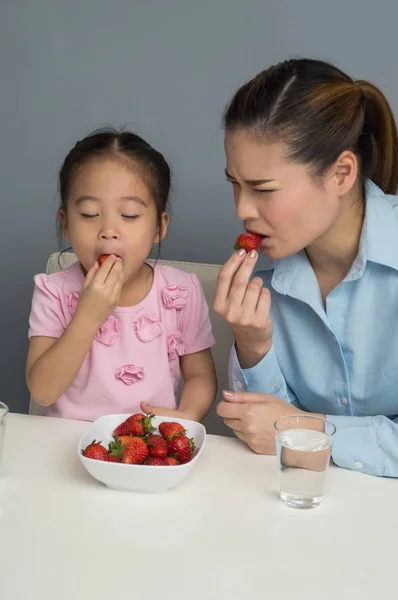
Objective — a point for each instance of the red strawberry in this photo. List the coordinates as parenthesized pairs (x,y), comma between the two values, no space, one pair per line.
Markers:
(124,438)
(135,451)
(168,429)
(159,462)
(114,459)
(102,258)
(122,429)
(140,424)
(248,241)
(181,448)
(96,451)
(170,461)
(115,450)
(157,446)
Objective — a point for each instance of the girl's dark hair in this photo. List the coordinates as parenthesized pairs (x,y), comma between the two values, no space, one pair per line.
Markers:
(319,112)
(150,164)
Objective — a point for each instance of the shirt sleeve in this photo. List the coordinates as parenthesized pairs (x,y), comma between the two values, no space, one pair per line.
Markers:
(194,320)
(366,444)
(264,378)
(46,314)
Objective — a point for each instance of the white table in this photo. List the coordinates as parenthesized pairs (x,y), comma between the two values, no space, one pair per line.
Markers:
(222,534)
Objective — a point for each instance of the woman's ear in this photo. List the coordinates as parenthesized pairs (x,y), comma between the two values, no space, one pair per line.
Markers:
(164,225)
(345,172)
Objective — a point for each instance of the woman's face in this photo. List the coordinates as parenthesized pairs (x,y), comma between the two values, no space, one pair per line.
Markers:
(277,198)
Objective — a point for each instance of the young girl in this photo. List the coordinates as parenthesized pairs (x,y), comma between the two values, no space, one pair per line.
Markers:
(112,338)
(312,156)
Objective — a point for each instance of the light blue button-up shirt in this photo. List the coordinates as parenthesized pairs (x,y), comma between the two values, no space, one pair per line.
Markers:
(342,361)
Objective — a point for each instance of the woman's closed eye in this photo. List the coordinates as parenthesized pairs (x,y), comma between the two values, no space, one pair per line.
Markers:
(130,217)
(88,216)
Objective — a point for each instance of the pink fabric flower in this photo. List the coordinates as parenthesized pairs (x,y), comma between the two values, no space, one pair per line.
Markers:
(130,374)
(147,328)
(174,296)
(175,344)
(108,332)
(71,301)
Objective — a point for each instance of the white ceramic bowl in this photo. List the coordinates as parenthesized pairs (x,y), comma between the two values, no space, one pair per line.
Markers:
(137,478)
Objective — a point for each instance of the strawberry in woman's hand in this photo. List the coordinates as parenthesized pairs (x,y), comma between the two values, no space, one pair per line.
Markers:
(248,241)
(135,452)
(157,446)
(168,429)
(96,451)
(181,448)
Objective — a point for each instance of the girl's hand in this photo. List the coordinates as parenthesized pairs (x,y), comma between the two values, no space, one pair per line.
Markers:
(252,416)
(101,290)
(245,306)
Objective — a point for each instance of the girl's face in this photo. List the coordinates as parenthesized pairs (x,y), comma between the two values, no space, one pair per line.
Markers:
(277,198)
(110,210)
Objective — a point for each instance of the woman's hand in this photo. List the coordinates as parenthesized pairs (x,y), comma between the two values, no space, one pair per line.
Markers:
(252,416)
(100,293)
(245,306)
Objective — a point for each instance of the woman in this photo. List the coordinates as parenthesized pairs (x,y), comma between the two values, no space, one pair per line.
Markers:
(312,156)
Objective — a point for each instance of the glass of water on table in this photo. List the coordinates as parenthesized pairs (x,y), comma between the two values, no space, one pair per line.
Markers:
(3,420)
(303,447)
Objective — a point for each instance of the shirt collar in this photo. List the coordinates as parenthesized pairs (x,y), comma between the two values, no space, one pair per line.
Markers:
(378,244)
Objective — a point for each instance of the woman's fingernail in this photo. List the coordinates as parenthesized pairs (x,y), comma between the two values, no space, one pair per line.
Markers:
(253,254)
(241,252)
(228,394)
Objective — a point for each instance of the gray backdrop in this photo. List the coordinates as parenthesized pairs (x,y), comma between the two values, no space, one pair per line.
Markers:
(165,68)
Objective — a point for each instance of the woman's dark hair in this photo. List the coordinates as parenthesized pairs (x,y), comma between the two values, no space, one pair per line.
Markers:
(149,163)
(319,112)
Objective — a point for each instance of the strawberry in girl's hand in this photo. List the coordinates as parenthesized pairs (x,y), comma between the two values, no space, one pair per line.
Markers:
(170,461)
(168,429)
(248,241)
(135,452)
(96,451)
(158,462)
(102,258)
(157,446)
(181,448)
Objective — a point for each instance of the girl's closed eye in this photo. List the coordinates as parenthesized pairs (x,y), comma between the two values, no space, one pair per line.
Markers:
(88,216)
(264,191)
(131,217)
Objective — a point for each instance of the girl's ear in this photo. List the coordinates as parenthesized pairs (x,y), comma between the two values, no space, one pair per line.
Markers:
(64,222)
(164,225)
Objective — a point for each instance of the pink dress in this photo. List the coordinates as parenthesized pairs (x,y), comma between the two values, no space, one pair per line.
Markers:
(135,354)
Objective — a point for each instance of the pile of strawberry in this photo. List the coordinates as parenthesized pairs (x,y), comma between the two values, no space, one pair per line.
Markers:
(135,443)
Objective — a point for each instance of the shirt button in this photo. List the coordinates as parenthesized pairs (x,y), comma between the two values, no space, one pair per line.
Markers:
(344,401)
(358,465)
(239,385)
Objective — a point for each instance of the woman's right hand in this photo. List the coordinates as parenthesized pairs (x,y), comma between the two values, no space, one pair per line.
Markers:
(245,306)
(100,293)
